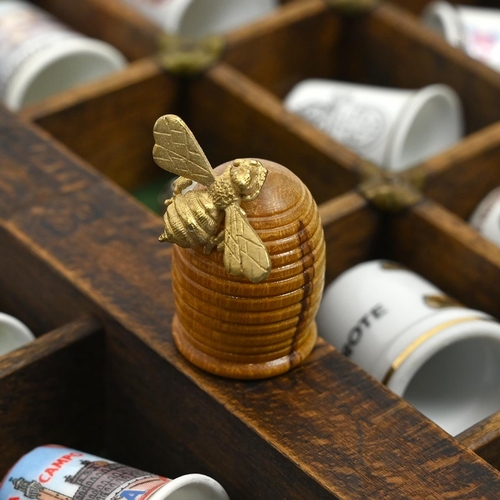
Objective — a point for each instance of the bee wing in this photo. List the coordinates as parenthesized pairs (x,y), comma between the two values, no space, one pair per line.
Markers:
(177,151)
(244,252)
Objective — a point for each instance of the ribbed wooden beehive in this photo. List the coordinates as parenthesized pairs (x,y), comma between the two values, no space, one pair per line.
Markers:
(232,327)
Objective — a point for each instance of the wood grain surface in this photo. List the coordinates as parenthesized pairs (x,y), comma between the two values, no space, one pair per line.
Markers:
(460,178)
(484,439)
(448,252)
(353,232)
(109,123)
(74,247)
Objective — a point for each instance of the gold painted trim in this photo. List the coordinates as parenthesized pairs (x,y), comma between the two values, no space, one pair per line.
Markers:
(424,338)
(441,301)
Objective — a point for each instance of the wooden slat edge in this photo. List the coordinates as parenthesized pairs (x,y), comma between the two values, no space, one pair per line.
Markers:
(283,17)
(443,248)
(49,343)
(484,439)
(133,74)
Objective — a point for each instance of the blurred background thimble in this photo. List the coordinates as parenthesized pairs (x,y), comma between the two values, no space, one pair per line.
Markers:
(40,57)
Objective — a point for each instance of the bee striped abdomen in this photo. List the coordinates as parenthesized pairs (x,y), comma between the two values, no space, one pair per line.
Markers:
(191,219)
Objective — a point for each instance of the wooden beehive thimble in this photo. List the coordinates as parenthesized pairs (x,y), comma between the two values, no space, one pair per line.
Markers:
(232,327)
(248,265)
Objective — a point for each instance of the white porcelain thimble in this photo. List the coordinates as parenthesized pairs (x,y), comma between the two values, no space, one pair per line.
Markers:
(40,57)
(198,18)
(13,334)
(393,128)
(475,30)
(441,357)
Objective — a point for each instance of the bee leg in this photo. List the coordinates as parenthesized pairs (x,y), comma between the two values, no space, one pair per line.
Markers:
(220,240)
(209,246)
(214,241)
(180,184)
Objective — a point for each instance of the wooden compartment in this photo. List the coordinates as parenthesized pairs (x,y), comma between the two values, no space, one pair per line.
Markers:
(81,265)
(51,391)
(386,47)
(251,80)
(123,107)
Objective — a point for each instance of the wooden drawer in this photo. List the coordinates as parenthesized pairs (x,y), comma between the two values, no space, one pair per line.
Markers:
(81,265)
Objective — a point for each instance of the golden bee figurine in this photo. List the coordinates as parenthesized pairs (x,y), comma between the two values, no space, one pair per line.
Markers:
(193,219)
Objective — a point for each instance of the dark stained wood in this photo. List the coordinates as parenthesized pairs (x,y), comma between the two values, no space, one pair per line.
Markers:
(33,169)
(179,428)
(51,391)
(484,439)
(312,433)
(317,54)
(109,123)
(291,414)
(394,50)
(460,178)
(32,289)
(352,232)
(315,407)
(73,244)
(110,20)
(450,254)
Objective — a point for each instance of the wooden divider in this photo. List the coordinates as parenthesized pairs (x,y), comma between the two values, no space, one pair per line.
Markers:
(448,252)
(52,391)
(79,245)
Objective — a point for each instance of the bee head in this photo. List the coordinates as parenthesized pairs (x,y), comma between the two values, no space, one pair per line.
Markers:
(248,176)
